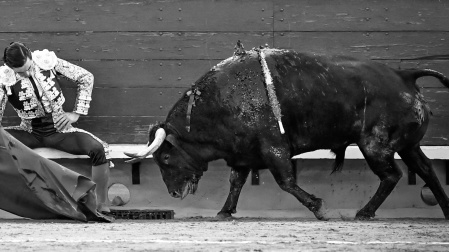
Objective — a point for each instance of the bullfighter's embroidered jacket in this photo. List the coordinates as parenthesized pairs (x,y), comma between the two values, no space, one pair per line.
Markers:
(30,103)
(21,94)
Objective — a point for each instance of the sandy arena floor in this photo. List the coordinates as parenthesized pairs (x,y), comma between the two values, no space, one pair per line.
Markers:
(239,234)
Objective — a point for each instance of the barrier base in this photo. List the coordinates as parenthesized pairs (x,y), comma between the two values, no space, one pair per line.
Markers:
(141,214)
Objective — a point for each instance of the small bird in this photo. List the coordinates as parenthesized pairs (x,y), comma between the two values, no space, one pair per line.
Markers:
(239,49)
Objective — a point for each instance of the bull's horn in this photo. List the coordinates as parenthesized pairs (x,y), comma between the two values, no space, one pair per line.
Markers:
(158,140)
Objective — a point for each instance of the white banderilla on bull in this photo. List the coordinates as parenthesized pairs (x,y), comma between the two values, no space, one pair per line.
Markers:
(271,93)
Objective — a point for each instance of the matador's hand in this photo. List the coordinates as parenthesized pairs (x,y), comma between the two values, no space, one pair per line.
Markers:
(66,119)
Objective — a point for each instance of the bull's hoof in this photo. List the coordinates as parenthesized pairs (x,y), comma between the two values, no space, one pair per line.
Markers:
(320,211)
(364,216)
(223,216)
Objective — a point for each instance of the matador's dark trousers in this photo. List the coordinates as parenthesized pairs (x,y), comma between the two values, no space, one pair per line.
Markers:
(44,134)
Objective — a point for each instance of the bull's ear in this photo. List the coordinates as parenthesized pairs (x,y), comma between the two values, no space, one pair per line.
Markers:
(172,140)
(152,128)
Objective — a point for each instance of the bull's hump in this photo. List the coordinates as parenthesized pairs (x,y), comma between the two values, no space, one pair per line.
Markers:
(248,56)
(234,60)
(275,51)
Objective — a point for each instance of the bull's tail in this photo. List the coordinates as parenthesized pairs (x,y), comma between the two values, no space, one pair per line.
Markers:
(414,74)
(339,159)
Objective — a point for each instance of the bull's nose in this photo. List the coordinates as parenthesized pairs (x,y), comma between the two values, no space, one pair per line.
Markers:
(175,194)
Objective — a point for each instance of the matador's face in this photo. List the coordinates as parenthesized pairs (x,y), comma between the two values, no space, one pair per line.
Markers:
(25,70)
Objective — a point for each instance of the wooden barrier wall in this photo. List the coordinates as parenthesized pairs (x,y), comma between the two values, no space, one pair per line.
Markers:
(144,54)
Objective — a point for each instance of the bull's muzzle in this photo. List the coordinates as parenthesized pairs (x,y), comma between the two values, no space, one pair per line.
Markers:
(175,194)
(188,188)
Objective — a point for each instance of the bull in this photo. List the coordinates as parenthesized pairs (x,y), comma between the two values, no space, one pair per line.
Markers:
(323,103)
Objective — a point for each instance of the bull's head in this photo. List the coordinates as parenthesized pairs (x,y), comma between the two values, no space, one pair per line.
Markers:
(180,171)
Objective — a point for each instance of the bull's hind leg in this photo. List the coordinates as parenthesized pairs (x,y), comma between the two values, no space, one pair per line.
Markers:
(416,161)
(237,179)
(381,161)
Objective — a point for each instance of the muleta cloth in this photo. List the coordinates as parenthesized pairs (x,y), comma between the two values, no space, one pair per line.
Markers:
(34,187)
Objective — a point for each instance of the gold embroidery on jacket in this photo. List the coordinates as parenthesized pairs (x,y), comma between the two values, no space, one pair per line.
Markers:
(52,99)
(31,104)
(25,95)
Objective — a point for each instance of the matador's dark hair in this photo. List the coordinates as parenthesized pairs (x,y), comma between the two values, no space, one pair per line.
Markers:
(16,54)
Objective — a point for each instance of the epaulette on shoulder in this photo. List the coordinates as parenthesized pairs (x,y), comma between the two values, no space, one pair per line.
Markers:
(7,76)
(45,59)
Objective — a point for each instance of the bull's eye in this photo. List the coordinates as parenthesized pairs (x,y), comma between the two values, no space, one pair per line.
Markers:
(166,157)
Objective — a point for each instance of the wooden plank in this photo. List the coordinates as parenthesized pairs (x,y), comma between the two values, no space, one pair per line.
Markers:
(139,45)
(438,101)
(118,119)
(372,45)
(215,46)
(182,73)
(134,129)
(437,133)
(130,101)
(147,74)
(360,15)
(322,15)
(125,101)
(112,129)
(441,66)
(158,101)
(122,15)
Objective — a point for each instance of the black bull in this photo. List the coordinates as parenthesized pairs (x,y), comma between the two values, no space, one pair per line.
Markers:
(326,103)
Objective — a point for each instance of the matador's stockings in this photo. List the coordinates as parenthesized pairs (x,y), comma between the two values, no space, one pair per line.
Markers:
(100,175)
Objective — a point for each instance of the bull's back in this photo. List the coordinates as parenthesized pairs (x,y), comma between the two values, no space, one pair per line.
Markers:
(332,102)
(324,102)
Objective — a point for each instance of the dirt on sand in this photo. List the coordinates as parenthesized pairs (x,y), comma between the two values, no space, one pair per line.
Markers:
(238,234)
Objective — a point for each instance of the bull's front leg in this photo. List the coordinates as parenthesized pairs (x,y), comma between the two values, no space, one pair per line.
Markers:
(280,165)
(284,176)
(237,179)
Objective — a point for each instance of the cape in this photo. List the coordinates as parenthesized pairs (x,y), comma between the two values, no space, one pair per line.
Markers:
(34,187)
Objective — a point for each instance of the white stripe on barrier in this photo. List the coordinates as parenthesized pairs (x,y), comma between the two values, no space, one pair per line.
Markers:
(352,152)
